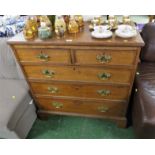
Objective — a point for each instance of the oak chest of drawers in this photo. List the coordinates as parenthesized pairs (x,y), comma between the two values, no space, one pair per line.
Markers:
(78,75)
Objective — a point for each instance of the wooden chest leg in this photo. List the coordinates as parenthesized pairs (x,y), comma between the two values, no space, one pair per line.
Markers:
(42,116)
(121,123)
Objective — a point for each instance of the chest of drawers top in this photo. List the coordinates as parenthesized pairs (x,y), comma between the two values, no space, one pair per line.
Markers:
(82,38)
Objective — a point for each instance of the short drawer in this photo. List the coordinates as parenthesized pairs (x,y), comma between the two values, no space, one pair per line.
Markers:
(83,107)
(86,74)
(44,55)
(110,57)
(81,90)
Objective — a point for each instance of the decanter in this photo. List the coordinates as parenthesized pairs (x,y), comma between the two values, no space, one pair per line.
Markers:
(112,22)
(60,23)
(126,20)
(30,30)
(73,25)
(79,20)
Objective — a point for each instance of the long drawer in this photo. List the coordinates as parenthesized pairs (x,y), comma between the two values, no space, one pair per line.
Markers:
(88,74)
(82,90)
(44,55)
(109,57)
(83,107)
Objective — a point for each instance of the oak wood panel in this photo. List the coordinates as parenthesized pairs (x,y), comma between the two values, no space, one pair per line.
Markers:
(80,90)
(54,55)
(83,107)
(68,47)
(90,74)
(118,57)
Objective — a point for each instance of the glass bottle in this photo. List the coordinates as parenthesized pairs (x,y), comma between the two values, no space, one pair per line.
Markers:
(60,23)
(96,20)
(66,19)
(45,19)
(126,20)
(112,22)
(44,32)
(52,19)
(31,28)
(73,25)
(79,20)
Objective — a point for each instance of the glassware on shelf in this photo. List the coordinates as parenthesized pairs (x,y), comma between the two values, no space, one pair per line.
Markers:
(60,24)
(102,20)
(45,19)
(126,20)
(29,34)
(59,32)
(44,32)
(73,26)
(96,20)
(79,20)
(112,22)
(30,30)
(66,19)
(52,20)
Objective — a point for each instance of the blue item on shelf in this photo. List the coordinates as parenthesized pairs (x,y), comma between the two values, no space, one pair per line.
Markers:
(11,26)
(2,32)
(10,31)
(10,21)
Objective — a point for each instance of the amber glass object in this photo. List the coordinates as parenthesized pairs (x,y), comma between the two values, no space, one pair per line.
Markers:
(79,20)
(73,26)
(66,19)
(31,28)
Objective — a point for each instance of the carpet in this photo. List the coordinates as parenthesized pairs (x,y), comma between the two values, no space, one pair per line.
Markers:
(68,127)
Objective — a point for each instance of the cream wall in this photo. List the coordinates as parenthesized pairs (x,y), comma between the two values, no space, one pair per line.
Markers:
(89,17)
(137,19)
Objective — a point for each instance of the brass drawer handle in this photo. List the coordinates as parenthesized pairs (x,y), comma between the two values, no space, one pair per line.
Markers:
(103,109)
(42,56)
(53,90)
(48,73)
(104,92)
(104,76)
(103,58)
(57,105)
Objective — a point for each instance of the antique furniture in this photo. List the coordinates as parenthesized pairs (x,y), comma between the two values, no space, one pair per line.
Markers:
(144,99)
(17,111)
(78,75)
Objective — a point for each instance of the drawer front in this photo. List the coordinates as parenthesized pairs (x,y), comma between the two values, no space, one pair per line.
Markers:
(44,55)
(82,91)
(83,107)
(110,57)
(88,74)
